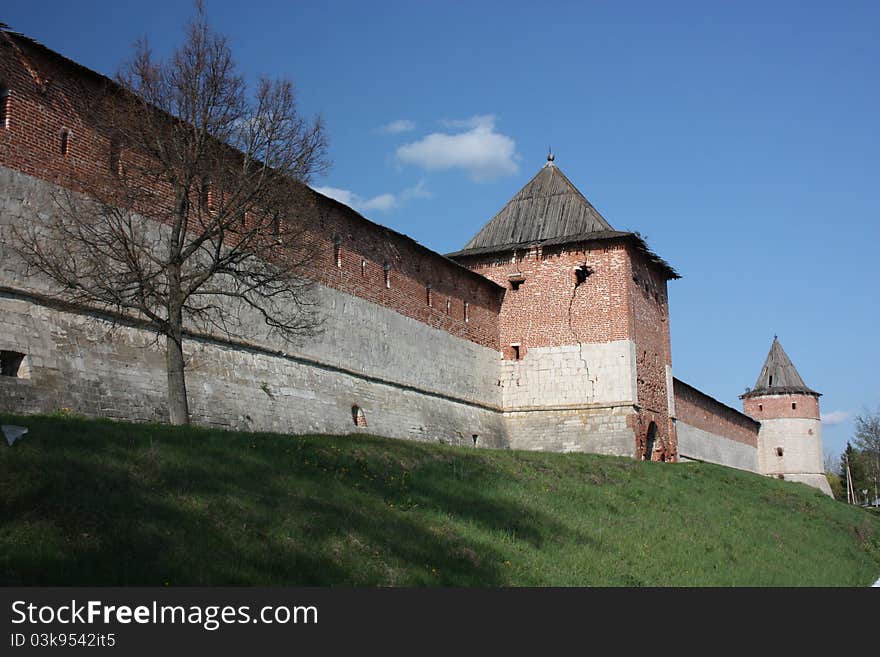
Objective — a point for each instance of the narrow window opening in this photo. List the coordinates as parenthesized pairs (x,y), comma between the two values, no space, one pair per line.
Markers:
(4,106)
(363,267)
(516,354)
(10,363)
(448,306)
(64,147)
(337,250)
(357,415)
(771,380)
(794,406)
(387,270)
(516,280)
(760,407)
(429,298)
(115,162)
(475,437)
(778,451)
(466,313)
(514,285)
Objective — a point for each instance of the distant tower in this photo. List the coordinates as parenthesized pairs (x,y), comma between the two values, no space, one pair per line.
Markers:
(790,437)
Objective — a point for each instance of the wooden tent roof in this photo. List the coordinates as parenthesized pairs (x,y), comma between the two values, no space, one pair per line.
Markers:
(779,376)
(550,211)
(549,206)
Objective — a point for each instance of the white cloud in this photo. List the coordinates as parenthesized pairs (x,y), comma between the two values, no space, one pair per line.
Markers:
(381,203)
(835,417)
(419,190)
(398,126)
(481,151)
(476,121)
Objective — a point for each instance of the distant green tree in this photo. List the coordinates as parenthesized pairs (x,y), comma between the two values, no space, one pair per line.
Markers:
(859,470)
(867,441)
(838,488)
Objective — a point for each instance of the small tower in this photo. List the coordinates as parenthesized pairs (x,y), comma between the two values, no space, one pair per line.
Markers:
(790,437)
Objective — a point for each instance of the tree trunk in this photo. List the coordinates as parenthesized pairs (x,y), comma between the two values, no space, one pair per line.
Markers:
(178,408)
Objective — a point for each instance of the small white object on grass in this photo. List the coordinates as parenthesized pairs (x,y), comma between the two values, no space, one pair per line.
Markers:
(13,432)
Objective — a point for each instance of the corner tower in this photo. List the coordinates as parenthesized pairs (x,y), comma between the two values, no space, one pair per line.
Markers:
(584,330)
(790,437)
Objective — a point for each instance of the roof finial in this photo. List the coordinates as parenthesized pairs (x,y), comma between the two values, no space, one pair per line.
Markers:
(550,155)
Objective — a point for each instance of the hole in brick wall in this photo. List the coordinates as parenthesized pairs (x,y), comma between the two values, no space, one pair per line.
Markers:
(4,106)
(580,274)
(516,354)
(514,285)
(779,476)
(357,415)
(466,314)
(475,438)
(11,364)
(778,451)
(363,267)
(794,406)
(760,407)
(387,270)
(64,146)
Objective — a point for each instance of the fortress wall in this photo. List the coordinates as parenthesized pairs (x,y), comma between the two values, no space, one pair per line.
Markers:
(695,444)
(711,431)
(595,429)
(73,361)
(411,379)
(649,313)
(49,94)
(571,374)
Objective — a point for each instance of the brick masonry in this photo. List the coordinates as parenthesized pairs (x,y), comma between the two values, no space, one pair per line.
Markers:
(415,345)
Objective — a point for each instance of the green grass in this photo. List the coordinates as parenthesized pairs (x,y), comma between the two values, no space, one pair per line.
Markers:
(86,502)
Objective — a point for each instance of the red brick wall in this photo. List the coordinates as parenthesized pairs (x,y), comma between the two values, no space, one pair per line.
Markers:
(703,412)
(49,93)
(537,314)
(623,298)
(780,406)
(649,314)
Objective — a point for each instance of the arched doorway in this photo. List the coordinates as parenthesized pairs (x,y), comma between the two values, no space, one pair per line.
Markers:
(650,439)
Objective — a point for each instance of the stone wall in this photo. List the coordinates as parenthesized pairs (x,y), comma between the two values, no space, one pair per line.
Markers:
(711,431)
(411,380)
(695,444)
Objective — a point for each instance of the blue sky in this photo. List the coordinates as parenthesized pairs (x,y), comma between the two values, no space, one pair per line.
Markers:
(740,138)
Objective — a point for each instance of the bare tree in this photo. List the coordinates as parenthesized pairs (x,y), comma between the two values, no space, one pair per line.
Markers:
(221,173)
(867,441)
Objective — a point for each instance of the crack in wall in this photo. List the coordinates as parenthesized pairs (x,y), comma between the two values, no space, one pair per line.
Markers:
(574,334)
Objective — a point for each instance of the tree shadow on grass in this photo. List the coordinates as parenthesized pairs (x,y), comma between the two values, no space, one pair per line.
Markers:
(160,506)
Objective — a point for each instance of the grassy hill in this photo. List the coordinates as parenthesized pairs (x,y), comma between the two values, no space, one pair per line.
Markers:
(107,503)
